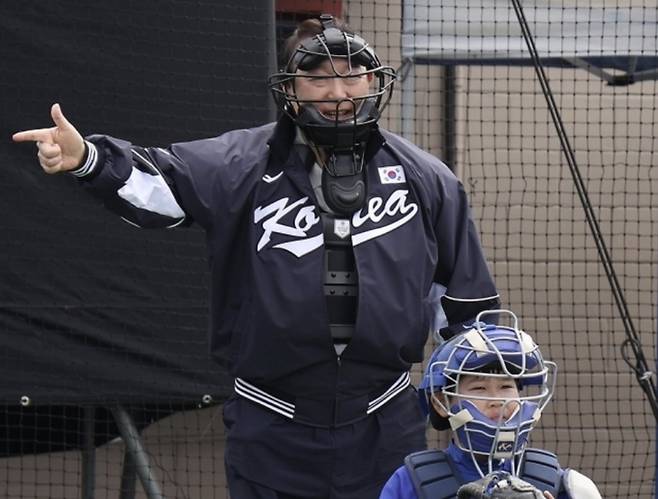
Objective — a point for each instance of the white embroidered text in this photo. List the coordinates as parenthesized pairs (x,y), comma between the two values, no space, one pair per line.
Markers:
(304,220)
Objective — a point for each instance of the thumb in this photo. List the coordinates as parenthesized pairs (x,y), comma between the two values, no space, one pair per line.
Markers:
(58,117)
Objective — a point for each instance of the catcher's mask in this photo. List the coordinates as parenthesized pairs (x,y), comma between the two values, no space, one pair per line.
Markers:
(343,135)
(489,352)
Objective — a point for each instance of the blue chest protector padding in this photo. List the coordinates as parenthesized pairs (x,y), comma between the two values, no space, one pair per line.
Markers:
(435,477)
(433,474)
(541,469)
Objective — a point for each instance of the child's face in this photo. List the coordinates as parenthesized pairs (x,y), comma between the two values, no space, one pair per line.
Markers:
(477,389)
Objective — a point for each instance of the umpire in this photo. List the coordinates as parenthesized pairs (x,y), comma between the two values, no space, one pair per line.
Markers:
(334,247)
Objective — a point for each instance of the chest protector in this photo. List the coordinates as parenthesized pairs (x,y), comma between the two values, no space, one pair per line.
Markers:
(435,476)
(340,277)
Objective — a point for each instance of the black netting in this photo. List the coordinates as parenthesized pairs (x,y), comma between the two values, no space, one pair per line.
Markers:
(97,316)
(472,96)
(99,320)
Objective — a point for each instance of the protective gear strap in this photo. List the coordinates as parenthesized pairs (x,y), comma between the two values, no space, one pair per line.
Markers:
(476,340)
(327,21)
(527,342)
(460,419)
(335,43)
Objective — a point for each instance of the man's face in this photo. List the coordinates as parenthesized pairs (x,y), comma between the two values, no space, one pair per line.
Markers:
(322,84)
(496,397)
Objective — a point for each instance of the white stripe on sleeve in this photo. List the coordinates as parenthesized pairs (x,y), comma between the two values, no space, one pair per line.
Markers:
(90,164)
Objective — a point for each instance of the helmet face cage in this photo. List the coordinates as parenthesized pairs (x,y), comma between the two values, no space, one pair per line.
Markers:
(491,352)
(334,45)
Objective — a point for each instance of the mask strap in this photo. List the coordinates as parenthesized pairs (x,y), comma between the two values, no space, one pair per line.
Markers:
(327,21)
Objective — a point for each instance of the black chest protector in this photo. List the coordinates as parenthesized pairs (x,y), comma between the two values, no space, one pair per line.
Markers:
(340,277)
(434,475)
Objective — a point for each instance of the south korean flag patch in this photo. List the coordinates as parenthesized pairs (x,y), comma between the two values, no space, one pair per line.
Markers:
(392,175)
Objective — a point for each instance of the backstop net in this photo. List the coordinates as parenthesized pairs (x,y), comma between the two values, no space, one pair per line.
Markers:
(103,327)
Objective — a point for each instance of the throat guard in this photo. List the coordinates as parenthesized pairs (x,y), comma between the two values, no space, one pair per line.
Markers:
(344,181)
(345,189)
(343,142)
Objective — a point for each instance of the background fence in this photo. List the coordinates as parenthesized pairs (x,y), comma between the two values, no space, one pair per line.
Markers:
(158,72)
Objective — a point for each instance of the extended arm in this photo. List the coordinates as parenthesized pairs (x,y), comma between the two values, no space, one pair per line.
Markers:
(132,181)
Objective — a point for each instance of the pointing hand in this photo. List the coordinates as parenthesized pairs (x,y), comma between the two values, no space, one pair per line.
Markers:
(61,148)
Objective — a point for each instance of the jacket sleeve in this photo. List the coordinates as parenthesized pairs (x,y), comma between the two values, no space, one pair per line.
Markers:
(137,183)
(157,188)
(462,269)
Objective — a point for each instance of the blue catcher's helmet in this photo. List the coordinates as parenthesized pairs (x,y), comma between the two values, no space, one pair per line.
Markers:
(495,354)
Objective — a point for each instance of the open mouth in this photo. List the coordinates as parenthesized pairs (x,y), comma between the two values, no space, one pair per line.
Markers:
(340,115)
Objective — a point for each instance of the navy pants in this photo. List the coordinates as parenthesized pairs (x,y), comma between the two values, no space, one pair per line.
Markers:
(268,456)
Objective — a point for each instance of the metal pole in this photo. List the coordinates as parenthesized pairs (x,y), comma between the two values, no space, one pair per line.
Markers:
(88,453)
(408,100)
(133,443)
(449,155)
(128,476)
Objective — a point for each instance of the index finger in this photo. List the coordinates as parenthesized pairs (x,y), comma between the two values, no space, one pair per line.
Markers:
(36,135)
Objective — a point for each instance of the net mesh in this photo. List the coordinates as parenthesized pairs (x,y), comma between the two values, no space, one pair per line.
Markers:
(478,103)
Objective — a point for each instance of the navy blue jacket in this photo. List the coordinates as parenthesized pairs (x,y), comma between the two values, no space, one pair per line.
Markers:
(250,191)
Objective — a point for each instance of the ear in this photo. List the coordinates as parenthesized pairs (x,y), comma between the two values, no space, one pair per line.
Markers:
(437,407)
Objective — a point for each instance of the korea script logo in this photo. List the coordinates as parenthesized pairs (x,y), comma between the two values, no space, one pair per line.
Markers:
(384,215)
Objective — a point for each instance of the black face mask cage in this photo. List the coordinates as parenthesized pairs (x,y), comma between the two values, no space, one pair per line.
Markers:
(333,44)
(368,107)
